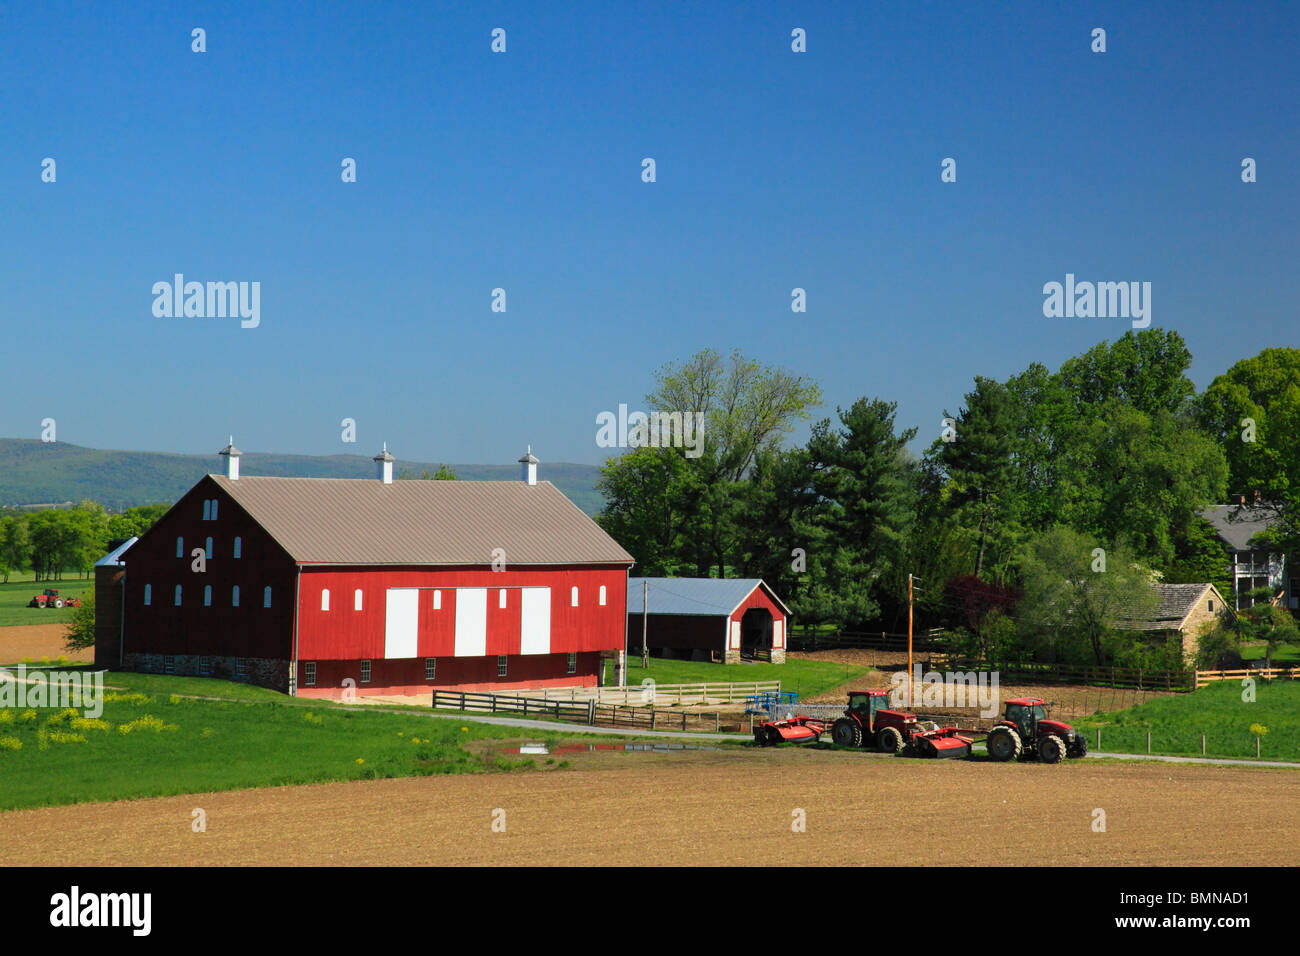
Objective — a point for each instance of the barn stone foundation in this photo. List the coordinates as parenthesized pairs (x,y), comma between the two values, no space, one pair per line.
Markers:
(263,672)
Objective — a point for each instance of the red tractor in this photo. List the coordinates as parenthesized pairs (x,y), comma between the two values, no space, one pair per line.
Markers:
(1026,732)
(50,598)
(868,722)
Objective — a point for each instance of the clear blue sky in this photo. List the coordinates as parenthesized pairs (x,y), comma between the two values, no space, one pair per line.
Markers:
(523,171)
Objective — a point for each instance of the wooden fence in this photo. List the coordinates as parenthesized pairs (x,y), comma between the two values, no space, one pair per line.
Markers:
(873,640)
(647,694)
(1205,678)
(1128,677)
(596,715)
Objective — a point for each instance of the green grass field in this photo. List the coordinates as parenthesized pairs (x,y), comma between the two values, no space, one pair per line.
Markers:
(156,744)
(1230,724)
(808,678)
(1286,654)
(22,588)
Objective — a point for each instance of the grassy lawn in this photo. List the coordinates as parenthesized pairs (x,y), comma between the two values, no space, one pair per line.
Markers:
(22,588)
(155,744)
(807,677)
(1176,723)
(1287,654)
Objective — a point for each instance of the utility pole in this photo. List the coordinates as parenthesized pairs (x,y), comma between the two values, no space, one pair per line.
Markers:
(645,617)
(909,642)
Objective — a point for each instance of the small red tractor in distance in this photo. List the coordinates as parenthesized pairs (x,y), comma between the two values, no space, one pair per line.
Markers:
(50,598)
(868,722)
(1025,731)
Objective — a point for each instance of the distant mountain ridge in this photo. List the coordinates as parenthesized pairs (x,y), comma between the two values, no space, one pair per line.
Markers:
(43,473)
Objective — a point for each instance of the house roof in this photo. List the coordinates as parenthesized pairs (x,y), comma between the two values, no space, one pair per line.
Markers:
(364,521)
(1174,602)
(1236,525)
(697,596)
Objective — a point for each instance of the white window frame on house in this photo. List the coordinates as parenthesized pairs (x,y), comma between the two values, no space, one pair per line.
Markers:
(602,595)
(148,595)
(430,668)
(356,600)
(266,596)
(207,595)
(207,549)
(234,596)
(573,596)
(365,672)
(437,600)
(309,673)
(573,662)
(205,666)
(239,547)
(502,665)
(169,664)
(325,599)
(177,595)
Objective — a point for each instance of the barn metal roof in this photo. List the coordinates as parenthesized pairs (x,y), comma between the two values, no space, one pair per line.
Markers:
(114,557)
(699,596)
(364,521)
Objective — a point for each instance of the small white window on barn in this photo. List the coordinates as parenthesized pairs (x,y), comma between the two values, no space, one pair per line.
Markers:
(177,598)
(325,599)
(148,595)
(573,596)
(207,510)
(602,602)
(266,596)
(430,667)
(356,600)
(573,662)
(365,672)
(309,673)
(239,547)
(501,665)
(207,549)
(207,595)
(180,547)
(501,598)
(234,596)
(437,600)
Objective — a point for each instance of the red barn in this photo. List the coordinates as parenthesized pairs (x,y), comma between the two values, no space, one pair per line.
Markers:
(314,585)
(721,619)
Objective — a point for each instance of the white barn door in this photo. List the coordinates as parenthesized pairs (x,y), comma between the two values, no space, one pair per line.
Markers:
(471,622)
(535,621)
(401,623)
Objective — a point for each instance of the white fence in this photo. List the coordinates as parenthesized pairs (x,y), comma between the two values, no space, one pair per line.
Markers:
(660,694)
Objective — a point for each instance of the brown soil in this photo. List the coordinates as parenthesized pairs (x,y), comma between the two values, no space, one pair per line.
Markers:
(36,641)
(703,808)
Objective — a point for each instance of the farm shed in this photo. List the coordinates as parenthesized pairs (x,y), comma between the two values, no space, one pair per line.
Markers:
(317,585)
(707,618)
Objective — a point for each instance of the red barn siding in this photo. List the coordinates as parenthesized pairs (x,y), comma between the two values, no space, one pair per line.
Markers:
(342,633)
(759,598)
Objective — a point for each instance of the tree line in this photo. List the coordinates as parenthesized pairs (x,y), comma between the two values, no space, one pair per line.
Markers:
(55,541)
(1033,523)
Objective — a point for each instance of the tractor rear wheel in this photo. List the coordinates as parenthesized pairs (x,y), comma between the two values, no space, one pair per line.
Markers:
(889,740)
(1003,744)
(1050,749)
(1080,746)
(845,732)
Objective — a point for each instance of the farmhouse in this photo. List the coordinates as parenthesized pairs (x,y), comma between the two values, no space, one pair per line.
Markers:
(707,618)
(314,586)
(1181,612)
(1251,562)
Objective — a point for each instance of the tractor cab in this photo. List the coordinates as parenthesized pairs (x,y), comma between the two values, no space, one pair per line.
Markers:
(864,704)
(1025,713)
